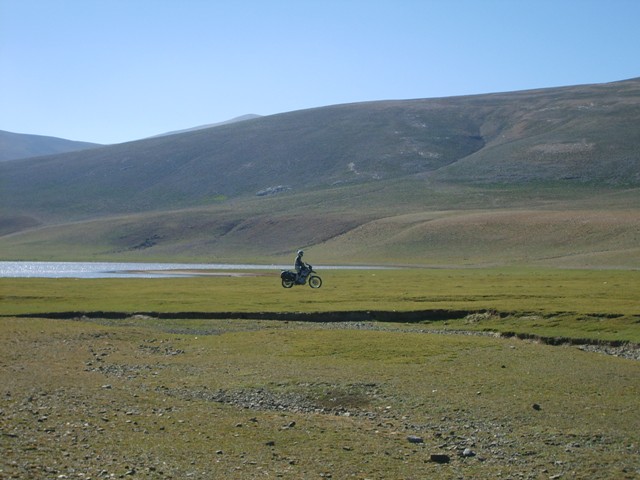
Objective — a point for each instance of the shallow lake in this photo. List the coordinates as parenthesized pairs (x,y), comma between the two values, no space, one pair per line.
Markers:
(128,270)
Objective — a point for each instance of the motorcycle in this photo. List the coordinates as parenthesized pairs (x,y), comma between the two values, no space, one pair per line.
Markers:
(290,278)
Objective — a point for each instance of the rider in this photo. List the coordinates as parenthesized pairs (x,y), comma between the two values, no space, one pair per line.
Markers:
(302,268)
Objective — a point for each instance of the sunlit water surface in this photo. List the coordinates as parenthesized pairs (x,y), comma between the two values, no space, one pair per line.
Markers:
(125,270)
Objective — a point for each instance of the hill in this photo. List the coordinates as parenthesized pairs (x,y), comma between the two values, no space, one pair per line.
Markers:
(14,146)
(474,180)
(242,118)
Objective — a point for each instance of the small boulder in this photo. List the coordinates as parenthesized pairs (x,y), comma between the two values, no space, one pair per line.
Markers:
(467,452)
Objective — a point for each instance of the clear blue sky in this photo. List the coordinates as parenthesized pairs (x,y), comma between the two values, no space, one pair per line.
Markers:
(110,71)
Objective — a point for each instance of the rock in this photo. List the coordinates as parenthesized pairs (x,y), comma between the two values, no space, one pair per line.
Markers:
(415,439)
(467,452)
(273,190)
(440,458)
(535,406)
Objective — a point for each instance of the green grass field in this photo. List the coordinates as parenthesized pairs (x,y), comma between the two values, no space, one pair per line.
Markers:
(139,396)
(238,399)
(596,304)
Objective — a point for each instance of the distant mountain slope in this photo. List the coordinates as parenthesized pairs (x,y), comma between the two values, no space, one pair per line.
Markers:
(548,176)
(14,146)
(576,134)
(582,134)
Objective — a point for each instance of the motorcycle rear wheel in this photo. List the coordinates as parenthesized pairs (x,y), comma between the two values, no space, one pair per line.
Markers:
(287,283)
(315,281)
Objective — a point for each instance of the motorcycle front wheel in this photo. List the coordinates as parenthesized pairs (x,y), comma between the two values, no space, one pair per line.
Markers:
(315,282)
(287,283)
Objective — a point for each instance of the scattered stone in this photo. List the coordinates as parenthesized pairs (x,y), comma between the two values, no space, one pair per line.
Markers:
(415,439)
(270,443)
(273,190)
(467,452)
(536,406)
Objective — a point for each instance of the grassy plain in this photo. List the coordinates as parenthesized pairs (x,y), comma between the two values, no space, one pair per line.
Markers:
(598,304)
(145,397)
(242,399)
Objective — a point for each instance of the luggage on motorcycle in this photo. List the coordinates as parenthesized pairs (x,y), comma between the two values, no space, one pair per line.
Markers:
(288,275)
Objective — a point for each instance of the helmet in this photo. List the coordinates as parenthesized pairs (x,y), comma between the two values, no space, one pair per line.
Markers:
(300,252)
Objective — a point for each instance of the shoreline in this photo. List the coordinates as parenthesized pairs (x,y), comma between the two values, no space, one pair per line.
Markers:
(197,273)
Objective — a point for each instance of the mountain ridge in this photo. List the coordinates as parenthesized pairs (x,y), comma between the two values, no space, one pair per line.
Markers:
(16,146)
(241,118)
